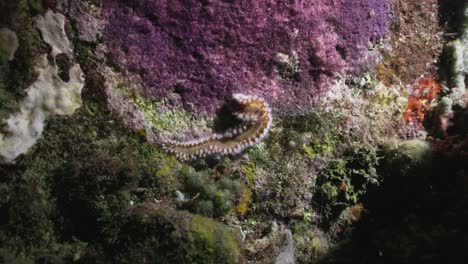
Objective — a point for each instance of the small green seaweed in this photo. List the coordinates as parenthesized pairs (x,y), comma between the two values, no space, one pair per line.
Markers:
(321,146)
(37,6)
(208,196)
(167,120)
(345,181)
(249,170)
(211,242)
(168,166)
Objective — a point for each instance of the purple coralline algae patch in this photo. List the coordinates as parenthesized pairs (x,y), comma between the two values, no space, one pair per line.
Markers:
(288,52)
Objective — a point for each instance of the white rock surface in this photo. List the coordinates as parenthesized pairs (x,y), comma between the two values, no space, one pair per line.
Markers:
(48,95)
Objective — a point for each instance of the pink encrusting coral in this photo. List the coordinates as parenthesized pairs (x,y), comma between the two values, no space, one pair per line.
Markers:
(288,52)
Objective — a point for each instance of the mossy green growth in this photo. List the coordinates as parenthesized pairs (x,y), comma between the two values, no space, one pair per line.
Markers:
(83,171)
(8,256)
(384,98)
(37,6)
(249,170)
(319,130)
(168,166)
(96,189)
(26,211)
(163,235)
(316,122)
(262,152)
(244,201)
(55,254)
(464,23)
(8,100)
(84,50)
(212,242)
(308,135)
(158,115)
(321,146)
(280,168)
(167,120)
(410,159)
(334,176)
(309,243)
(345,181)
(208,196)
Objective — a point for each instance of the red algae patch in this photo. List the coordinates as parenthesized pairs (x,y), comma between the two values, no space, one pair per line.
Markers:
(421,99)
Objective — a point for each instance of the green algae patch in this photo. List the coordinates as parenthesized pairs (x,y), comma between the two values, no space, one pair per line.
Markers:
(310,243)
(316,133)
(208,196)
(410,158)
(249,171)
(149,233)
(407,167)
(282,169)
(93,170)
(322,146)
(156,113)
(162,120)
(37,6)
(168,166)
(345,181)
(212,242)
(28,211)
(244,201)
(164,235)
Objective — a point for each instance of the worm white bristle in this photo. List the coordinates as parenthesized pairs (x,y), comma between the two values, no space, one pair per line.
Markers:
(258,125)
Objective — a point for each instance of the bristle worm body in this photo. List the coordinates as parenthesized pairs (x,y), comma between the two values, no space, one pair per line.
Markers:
(252,110)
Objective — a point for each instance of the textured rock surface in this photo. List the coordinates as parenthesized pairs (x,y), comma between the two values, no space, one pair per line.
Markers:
(457,57)
(339,177)
(287,254)
(48,95)
(8,44)
(416,42)
(287,52)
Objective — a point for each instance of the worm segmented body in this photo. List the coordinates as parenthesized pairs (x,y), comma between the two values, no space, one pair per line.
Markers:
(253,110)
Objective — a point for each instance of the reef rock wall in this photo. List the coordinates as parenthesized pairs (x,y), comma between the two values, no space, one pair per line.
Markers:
(200,52)
(215,131)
